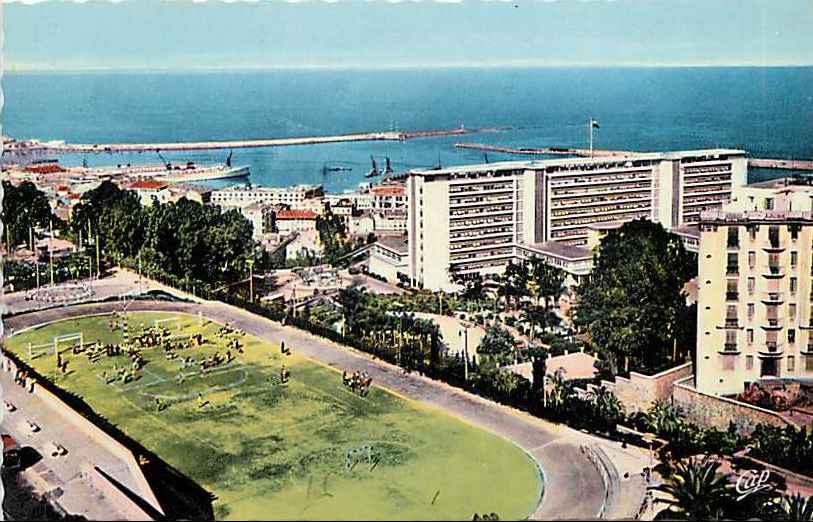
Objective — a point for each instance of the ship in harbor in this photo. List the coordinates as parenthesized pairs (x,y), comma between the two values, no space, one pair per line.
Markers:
(170,172)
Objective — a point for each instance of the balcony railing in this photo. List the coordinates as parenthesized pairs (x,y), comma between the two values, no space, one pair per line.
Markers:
(732,269)
(730,347)
(774,271)
(773,323)
(771,349)
(773,298)
(732,322)
(732,296)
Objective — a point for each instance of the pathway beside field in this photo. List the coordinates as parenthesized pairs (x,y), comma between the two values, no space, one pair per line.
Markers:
(574,487)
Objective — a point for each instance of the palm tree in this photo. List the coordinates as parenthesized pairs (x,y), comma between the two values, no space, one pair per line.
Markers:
(663,418)
(697,492)
(797,507)
(607,409)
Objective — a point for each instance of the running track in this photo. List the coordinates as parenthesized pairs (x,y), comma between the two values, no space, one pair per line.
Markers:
(573,486)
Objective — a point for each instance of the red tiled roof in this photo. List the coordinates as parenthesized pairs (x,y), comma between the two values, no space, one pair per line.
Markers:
(389,191)
(44,169)
(148,184)
(296,214)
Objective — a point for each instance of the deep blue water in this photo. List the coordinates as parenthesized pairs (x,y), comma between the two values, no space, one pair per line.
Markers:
(767,111)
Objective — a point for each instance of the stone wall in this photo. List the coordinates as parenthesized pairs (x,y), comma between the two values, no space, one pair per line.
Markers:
(640,391)
(714,411)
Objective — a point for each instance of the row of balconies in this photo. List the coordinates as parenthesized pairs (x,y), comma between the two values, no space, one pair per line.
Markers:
(600,199)
(601,179)
(578,222)
(695,171)
(607,209)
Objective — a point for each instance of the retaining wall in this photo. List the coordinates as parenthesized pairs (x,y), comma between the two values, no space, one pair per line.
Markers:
(715,411)
(639,391)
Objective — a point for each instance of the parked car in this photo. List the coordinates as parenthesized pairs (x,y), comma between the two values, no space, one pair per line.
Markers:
(12,456)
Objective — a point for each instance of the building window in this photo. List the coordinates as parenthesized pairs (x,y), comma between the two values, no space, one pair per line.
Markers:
(770,368)
(749,362)
(792,311)
(752,284)
(752,259)
(809,363)
(791,363)
(733,237)
(794,283)
(769,204)
(791,336)
(733,265)
(794,259)
(750,311)
(731,340)
(750,335)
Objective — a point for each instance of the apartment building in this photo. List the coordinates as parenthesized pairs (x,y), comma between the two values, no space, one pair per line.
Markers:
(474,218)
(296,197)
(755,295)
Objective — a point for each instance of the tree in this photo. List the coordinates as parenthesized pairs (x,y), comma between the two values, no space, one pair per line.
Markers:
(539,368)
(352,300)
(632,303)
(514,283)
(607,410)
(25,207)
(545,280)
(497,346)
(697,492)
(797,507)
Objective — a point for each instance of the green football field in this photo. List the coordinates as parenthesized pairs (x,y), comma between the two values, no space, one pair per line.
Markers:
(307,449)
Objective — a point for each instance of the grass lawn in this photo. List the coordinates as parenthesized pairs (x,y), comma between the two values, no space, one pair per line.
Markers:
(308,449)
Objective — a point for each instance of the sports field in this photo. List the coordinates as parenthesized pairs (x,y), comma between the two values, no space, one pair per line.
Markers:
(307,449)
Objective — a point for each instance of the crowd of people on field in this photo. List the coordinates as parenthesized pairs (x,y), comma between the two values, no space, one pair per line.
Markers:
(359,382)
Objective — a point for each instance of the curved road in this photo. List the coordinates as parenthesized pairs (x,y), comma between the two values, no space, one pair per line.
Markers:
(574,488)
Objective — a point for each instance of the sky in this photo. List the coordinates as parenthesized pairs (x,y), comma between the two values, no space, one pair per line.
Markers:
(176,34)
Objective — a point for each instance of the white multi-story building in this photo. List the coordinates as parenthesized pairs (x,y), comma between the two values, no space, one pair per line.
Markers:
(476,218)
(296,197)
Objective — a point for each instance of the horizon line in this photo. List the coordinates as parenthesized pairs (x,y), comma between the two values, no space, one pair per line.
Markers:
(14,69)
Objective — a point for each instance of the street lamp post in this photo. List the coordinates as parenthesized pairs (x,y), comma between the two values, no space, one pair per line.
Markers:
(250,264)
(464,333)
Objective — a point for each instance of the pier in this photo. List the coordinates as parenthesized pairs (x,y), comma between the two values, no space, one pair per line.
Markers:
(781,164)
(562,151)
(261,143)
(762,163)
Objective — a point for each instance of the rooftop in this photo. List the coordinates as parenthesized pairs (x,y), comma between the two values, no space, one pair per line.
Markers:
(296,214)
(687,231)
(598,160)
(801,183)
(395,243)
(561,250)
(148,184)
(757,216)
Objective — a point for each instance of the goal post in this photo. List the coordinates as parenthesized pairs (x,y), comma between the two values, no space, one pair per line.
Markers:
(37,350)
(74,339)
(173,322)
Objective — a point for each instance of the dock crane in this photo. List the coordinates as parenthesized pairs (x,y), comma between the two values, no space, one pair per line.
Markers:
(167,164)
(373,171)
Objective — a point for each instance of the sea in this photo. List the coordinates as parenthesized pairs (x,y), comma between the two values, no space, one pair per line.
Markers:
(766,111)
